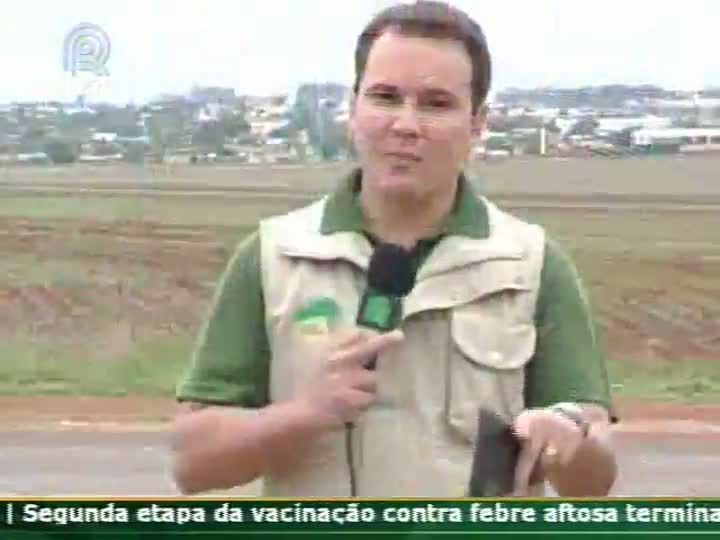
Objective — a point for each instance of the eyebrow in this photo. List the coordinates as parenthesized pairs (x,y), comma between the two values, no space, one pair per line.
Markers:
(433,90)
(382,87)
(439,92)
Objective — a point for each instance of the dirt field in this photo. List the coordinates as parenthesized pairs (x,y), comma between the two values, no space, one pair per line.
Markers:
(670,177)
(99,272)
(65,278)
(69,412)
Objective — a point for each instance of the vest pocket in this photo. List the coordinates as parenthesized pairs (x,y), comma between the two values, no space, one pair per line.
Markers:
(485,368)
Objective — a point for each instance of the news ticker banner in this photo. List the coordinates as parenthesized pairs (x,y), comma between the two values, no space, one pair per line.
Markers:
(130,518)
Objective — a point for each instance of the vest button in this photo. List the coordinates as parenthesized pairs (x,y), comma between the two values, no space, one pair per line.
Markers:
(495,356)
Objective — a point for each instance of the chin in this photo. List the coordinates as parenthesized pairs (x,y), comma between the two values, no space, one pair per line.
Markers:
(399,180)
(397,185)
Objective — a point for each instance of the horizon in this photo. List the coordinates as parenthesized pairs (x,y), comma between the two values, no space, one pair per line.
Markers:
(290,95)
(167,48)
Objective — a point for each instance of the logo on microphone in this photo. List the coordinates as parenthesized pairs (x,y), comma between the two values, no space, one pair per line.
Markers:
(86,49)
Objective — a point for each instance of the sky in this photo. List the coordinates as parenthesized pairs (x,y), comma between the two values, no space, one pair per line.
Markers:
(270,46)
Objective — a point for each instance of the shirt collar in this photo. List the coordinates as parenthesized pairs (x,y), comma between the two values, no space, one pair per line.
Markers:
(343,212)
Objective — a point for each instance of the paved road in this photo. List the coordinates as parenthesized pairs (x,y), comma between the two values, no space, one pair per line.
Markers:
(112,463)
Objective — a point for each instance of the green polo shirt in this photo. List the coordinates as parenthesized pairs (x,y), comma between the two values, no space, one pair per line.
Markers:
(231,361)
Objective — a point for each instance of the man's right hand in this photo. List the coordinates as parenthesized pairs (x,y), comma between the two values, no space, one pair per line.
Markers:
(342,388)
(220,449)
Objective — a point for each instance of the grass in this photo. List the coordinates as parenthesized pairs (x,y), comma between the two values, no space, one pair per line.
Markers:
(171,211)
(685,381)
(153,369)
(150,369)
(31,270)
(658,174)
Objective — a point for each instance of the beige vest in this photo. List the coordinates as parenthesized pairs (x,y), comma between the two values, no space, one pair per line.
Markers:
(469,331)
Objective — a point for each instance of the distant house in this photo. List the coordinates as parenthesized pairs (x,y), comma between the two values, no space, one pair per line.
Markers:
(80,110)
(678,139)
(212,94)
(208,113)
(264,128)
(613,124)
(705,111)
(104,137)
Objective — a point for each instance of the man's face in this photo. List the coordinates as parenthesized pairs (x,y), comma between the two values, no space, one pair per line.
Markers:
(411,121)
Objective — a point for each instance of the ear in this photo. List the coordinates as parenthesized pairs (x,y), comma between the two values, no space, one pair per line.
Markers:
(479,121)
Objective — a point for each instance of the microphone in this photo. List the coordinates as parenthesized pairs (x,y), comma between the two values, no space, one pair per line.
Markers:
(391,276)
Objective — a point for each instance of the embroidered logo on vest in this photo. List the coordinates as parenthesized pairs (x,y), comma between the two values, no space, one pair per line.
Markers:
(317,316)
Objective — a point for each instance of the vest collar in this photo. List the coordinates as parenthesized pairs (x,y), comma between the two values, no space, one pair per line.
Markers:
(452,252)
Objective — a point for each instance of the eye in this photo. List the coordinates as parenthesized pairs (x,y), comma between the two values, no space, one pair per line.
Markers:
(385,97)
(437,102)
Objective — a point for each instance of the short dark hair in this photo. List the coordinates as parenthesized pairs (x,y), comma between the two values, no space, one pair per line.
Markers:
(428,18)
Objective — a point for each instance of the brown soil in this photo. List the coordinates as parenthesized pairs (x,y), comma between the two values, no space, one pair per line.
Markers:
(53,409)
(39,410)
(633,410)
(148,279)
(151,278)
(157,278)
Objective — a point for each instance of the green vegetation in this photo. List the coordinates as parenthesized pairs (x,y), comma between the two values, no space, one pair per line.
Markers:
(685,381)
(152,369)
(179,211)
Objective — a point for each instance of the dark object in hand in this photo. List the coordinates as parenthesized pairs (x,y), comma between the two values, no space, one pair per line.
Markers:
(495,456)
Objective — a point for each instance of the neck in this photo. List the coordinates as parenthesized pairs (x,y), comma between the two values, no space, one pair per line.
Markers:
(402,220)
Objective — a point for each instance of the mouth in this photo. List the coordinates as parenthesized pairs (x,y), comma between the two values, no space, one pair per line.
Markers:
(405,156)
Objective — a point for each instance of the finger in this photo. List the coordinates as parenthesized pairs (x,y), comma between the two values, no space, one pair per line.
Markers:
(355,402)
(341,342)
(563,438)
(527,461)
(551,456)
(354,378)
(365,380)
(562,452)
(349,336)
(521,424)
(363,350)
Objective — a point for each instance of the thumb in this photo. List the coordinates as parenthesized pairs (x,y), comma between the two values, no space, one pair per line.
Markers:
(521,425)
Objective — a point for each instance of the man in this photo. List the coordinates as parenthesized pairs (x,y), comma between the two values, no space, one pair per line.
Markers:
(497,319)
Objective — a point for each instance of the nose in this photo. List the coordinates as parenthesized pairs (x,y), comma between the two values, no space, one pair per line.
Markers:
(406,121)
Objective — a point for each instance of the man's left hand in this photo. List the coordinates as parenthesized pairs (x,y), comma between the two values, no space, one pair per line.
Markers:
(549,440)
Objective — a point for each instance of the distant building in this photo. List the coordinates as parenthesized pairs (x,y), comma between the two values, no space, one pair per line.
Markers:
(678,139)
(104,137)
(213,94)
(705,111)
(612,124)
